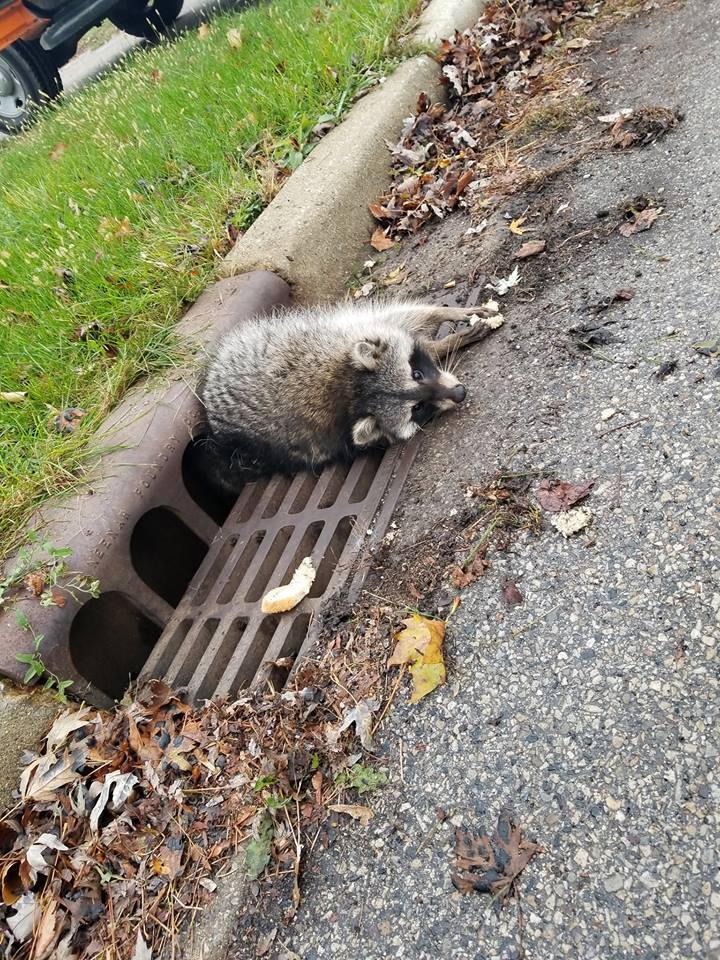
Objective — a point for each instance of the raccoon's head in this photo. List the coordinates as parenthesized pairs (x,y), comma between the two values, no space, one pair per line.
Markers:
(400,388)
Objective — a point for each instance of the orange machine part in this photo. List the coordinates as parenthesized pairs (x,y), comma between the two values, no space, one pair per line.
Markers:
(16,23)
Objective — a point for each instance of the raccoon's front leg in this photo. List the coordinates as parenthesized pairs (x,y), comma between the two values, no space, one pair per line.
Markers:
(425,320)
(449,345)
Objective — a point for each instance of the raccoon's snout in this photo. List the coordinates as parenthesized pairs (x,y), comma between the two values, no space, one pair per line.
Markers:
(457,394)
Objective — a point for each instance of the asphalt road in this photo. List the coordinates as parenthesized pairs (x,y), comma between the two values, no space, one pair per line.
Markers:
(591,709)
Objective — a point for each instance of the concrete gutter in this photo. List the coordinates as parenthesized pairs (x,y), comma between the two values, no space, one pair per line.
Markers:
(311,235)
(312,231)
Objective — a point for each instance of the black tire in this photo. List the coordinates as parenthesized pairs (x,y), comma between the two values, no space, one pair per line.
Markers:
(29,78)
(64,53)
(149,19)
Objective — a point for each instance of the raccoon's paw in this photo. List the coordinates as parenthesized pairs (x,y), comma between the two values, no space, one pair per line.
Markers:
(365,432)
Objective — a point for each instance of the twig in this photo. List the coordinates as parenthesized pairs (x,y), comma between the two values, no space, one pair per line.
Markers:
(402,760)
(389,700)
(621,426)
(519,631)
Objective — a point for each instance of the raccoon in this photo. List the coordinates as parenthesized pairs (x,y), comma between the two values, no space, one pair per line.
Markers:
(309,387)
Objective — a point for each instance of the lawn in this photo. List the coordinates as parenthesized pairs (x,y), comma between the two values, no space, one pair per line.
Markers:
(117,206)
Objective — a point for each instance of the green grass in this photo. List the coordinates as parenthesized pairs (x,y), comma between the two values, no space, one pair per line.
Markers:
(114,209)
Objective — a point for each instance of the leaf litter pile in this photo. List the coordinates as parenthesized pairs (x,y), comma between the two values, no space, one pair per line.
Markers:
(462,154)
(124,817)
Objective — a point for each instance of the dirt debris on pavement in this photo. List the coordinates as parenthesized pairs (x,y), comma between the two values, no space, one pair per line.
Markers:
(590,709)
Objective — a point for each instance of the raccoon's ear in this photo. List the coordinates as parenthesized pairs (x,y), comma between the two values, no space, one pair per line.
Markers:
(365,432)
(366,354)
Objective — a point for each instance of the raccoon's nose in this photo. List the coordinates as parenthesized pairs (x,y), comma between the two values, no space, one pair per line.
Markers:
(458,393)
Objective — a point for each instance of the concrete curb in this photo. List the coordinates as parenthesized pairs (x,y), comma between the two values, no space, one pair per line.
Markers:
(312,231)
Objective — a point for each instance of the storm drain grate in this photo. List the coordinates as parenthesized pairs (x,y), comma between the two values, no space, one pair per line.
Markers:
(218,641)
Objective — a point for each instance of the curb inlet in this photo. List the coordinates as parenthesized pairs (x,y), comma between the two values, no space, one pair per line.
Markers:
(218,641)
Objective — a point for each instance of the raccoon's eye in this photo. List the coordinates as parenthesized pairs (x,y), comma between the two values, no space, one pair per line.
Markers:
(418,375)
(418,407)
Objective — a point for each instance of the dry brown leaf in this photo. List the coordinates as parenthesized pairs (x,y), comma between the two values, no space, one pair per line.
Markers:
(420,646)
(203,31)
(510,592)
(234,38)
(45,776)
(57,151)
(13,396)
(491,864)
(556,496)
(530,249)
(354,810)
(516,226)
(642,221)
(379,241)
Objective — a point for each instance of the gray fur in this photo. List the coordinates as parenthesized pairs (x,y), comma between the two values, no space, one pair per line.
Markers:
(307,387)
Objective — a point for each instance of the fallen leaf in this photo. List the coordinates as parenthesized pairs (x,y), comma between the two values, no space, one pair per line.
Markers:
(13,396)
(379,241)
(361,715)
(264,943)
(420,646)
(510,593)
(156,76)
(35,583)
(57,151)
(530,249)
(517,228)
(112,228)
(35,855)
(708,348)
(27,911)
(43,778)
(504,284)
(234,38)
(625,294)
(579,43)
(257,851)
(65,724)
(358,812)
(120,785)
(643,220)
(665,369)
(142,951)
(491,864)
(203,31)
(617,115)
(571,521)
(47,931)
(556,496)
(462,578)
(67,420)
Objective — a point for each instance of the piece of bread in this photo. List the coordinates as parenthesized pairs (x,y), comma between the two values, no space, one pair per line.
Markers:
(280,599)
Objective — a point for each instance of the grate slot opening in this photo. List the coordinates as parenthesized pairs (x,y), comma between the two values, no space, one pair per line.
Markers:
(172,647)
(335,485)
(202,639)
(241,567)
(267,567)
(367,475)
(110,640)
(275,675)
(252,495)
(165,553)
(332,554)
(254,656)
(216,567)
(208,496)
(309,482)
(279,492)
(223,653)
(304,549)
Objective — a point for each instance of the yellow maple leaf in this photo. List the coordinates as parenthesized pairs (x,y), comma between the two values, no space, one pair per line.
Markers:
(420,646)
(516,226)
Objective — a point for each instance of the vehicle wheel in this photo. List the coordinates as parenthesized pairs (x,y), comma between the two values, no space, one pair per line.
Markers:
(146,18)
(64,53)
(28,78)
